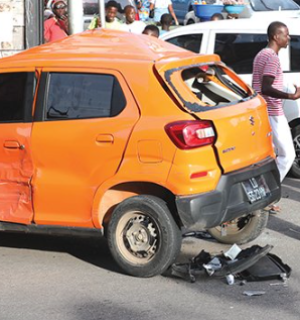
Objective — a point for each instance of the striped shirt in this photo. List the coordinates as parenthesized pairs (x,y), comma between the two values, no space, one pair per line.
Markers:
(267,63)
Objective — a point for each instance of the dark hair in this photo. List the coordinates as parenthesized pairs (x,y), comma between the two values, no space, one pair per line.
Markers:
(129,6)
(112,4)
(217,15)
(273,28)
(151,27)
(166,18)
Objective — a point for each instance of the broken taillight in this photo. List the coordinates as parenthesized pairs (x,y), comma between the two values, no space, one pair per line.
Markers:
(191,134)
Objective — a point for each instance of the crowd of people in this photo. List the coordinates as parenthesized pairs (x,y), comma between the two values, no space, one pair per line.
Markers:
(153,18)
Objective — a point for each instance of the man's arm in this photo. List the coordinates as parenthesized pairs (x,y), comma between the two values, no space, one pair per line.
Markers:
(268,90)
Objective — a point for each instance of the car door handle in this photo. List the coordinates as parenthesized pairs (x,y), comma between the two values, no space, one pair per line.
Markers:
(105,138)
(12,144)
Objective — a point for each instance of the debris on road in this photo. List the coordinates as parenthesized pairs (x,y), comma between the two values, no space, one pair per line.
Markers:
(253,293)
(251,264)
(199,235)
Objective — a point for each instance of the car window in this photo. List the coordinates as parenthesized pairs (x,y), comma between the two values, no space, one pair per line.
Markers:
(239,50)
(16,96)
(265,5)
(213,85)
(295,53)
(190,42)
(81,96)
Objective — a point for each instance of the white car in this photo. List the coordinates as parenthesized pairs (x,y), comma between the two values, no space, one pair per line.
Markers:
(258,9)
(237,42)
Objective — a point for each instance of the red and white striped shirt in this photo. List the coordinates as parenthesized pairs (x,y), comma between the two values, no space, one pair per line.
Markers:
(267,63)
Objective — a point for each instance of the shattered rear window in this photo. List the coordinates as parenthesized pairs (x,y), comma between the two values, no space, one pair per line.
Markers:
(208,87)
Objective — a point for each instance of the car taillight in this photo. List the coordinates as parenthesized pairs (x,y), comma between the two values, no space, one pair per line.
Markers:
(191,134)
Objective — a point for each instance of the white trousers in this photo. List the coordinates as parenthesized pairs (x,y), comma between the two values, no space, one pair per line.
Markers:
(283,144)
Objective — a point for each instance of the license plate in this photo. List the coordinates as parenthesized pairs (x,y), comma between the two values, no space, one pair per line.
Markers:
(256,189)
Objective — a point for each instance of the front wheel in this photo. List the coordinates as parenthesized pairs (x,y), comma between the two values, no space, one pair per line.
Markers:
(241,230)
(295,169)
(143,237)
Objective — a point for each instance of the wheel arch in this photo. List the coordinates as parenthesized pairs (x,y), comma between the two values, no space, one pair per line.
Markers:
(104,205)
(294,123)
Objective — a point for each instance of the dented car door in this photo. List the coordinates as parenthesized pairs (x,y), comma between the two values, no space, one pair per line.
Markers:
(16,169)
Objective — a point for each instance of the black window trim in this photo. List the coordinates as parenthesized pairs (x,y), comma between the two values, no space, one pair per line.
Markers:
(29,96)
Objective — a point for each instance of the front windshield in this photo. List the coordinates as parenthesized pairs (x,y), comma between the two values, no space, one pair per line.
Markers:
(271,5)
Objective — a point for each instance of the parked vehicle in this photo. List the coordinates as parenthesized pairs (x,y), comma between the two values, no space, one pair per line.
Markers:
(128,136)
(258,9)
(237,43)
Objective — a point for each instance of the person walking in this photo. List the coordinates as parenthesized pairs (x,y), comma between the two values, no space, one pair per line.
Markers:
(268,81)
(57,26)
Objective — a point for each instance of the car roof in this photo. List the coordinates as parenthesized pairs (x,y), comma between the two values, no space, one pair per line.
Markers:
(100,44)
(252,24)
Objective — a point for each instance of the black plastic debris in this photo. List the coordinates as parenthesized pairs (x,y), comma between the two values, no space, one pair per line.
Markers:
(270,267)
(251,264)
(199,235)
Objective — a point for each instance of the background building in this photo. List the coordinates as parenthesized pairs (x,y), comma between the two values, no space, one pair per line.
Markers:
(21,25)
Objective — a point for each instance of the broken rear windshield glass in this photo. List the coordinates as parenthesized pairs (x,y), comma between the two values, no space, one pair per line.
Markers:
(266,5)
(207,87)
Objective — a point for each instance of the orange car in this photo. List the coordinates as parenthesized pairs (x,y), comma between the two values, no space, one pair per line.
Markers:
(129,136)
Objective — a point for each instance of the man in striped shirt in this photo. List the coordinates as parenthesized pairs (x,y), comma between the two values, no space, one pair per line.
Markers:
(268,81)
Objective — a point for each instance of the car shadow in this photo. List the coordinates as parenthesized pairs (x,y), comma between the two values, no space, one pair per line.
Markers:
(93,250)
(288,190)
(284,227)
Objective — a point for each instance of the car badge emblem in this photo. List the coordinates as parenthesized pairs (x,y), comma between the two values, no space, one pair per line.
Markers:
(252,121)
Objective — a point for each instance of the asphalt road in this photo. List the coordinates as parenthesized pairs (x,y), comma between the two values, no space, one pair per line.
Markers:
(51,278)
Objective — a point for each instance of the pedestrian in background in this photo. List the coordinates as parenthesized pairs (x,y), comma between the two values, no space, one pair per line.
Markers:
(57,26)
(111,20)
(143,9)
(160,7)
(216,17)
(131,25)
(165,21)
(151,30)
(268,81)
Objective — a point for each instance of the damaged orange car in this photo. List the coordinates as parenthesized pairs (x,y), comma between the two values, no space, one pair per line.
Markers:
(131,137)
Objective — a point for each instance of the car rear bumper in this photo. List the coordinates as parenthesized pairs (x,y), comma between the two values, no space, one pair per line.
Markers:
(229,200)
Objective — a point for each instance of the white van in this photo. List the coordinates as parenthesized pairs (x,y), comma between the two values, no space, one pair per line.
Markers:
(237,42)
(257,9)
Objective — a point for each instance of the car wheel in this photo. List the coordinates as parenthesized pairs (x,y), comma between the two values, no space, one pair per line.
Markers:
(241,230)
(190,21)
(143,237)
(295,169)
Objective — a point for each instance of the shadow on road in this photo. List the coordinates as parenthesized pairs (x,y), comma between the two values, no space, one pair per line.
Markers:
(287,228)
(288,189)
(93,250)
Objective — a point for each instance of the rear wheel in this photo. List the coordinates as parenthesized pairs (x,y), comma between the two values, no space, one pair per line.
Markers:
(241,230)
(295,169)
(143,236)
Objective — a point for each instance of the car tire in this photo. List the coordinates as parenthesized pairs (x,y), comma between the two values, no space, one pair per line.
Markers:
(295,169)
(143,237)
(242,230)
(190,21)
